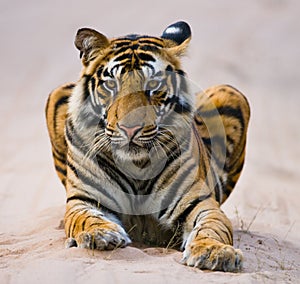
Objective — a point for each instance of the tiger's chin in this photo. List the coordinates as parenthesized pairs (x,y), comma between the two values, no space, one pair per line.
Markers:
(129,152)
(138,162)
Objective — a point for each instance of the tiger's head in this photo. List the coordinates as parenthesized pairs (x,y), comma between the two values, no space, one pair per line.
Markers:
(131,87)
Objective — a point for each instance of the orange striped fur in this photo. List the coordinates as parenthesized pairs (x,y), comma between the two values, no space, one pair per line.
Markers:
(141,160)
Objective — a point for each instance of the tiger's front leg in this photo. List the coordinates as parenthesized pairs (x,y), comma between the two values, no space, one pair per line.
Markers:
(209,239)
(87,227)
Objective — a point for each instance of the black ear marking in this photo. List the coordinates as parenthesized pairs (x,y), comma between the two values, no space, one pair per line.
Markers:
(177,32)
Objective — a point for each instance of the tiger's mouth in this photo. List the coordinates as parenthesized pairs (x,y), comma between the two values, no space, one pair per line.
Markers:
(134,148)
(141,151)
(131,150)
(133,137)
(141,160)
(136,144)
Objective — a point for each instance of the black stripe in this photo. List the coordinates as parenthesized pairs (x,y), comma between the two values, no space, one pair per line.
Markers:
(196,219)
(148,65)
(75,215)
(99,71)
(117,66)
(217,222)
(148,47)
(198,120)
(100,82)
(61,102)
(106,73)
(173,191)
(78,189)
(228,188)
(146,57)
(83,198)
(72,136)
(182,217)
(114,173)
(151,42)
(210,144)
(61,170)
(86,92)
(182,107)
(218,186)
(169,100)
(180,72)
(226,191)
(121,50)
(93,83)
(57,155)
(96,185)
(136,62)
(232,112)
(97,225)
(234,171)
(217,193)
(72,211)
(89,217)
(69,86)
(207,142)
(124,42)
(223,110)
(171,158)
(123,57)
(102,96)
(167,177)
(72,168)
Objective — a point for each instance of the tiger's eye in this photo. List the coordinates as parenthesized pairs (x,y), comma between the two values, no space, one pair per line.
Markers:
(110,84)
(153,84)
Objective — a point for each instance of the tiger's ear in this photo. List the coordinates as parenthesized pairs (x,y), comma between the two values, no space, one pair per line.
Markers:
(90,43)
(177,37)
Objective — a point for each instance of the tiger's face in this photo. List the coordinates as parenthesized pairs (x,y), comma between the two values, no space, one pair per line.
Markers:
(134,85)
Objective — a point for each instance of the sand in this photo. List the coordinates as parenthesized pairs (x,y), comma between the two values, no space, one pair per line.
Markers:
(253,45)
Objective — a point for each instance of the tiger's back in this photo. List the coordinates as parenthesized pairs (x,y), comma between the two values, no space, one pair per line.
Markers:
(178,204)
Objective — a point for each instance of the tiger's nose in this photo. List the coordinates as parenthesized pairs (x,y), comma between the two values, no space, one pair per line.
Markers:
(130,131)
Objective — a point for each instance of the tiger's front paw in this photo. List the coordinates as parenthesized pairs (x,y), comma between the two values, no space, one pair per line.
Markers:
(100,238)
(212,255)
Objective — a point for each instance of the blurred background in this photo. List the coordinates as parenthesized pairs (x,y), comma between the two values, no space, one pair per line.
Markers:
(253,45)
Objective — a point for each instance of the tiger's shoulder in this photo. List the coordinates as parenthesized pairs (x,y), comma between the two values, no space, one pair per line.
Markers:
(56,115)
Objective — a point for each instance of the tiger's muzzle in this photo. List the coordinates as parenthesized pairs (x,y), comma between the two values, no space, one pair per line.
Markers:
(132,119)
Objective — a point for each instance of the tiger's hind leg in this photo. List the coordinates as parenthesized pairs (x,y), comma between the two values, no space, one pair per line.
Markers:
(56,114)
(222,120)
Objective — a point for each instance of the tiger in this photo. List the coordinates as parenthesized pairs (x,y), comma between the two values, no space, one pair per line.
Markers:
(143,159)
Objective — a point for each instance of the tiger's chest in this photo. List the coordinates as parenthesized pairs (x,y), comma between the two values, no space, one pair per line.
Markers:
(145,229)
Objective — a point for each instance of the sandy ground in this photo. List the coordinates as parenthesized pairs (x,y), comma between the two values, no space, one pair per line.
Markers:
(253,45)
